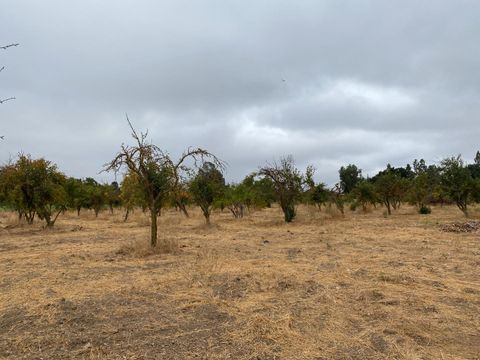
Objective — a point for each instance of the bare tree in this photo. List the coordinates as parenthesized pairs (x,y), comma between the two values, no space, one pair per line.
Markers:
(5,47)
(159,176)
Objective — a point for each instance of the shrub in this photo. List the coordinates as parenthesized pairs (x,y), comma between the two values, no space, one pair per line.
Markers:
(424,210)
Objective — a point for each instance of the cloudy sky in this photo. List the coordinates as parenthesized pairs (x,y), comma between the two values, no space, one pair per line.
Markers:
(330,82)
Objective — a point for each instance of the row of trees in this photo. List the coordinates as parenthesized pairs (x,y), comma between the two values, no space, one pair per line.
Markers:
(153,181)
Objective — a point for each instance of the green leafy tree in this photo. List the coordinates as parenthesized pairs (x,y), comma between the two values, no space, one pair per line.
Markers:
(457,182)
(338,198)
(7,185)
(288,184)
(350,176)
(113,195)
(96,195)
(131,194)
(259,193)
(77,196)
(391,189)
(475,167)
(365,194)
(235,198)
(320,195)
(207,187)
(34,187)
(423,185)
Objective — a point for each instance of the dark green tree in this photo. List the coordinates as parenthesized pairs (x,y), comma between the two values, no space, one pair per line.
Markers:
(457,182)
(320,195)
(364,194)
(391,189)
(350,176)
(207,187)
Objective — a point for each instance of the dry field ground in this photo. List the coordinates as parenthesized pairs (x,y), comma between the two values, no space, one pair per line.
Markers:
(324,287)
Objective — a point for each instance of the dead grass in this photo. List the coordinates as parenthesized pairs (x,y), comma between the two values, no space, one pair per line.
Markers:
(324,287)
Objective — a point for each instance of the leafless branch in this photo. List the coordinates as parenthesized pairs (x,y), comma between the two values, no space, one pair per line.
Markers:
(7,99)
(5,47)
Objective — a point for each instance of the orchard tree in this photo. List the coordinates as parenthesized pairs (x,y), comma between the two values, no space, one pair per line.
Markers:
(157,174)
(8,182)
(350,176)
(337,197)
(235,198)
(34,187)
(320,195)
(365,194)
(388,187)
(259,193)
(457,182)
(96,195)
(424,185)
(288,184)
(131,194)
(77,196)
(207,187)
(180,198)
(475,167)
(113,195)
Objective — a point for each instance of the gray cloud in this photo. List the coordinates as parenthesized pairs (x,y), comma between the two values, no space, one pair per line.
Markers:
(368,82)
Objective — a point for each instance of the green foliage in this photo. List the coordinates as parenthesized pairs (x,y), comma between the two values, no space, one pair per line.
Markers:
(391,189)
(260,192)
(131,194)
(319,195)
(77,196)
(34,187)
(96,195)
(424,185)
(235,198)
(457,182)
(207,187)
(288,184)
(338,198)
(424,210)
(350,176)
(364,194)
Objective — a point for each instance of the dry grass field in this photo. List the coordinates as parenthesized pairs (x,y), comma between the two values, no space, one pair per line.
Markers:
(324,287)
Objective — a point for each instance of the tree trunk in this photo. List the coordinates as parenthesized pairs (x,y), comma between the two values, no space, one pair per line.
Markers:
(183,208)
(126,215)
(153,228)
(78,210)
(463,207)
(288,212)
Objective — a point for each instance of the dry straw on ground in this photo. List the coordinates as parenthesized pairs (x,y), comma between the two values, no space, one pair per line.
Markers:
(325,287)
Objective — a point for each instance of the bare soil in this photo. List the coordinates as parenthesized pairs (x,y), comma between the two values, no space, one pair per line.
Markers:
(361,286)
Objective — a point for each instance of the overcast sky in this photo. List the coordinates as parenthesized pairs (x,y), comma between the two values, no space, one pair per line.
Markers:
(330,82)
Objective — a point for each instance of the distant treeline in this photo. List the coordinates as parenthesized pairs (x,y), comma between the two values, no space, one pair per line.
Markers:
(35,187)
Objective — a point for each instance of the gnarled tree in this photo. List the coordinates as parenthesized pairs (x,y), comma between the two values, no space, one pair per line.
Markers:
(157,174)
(288,183)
